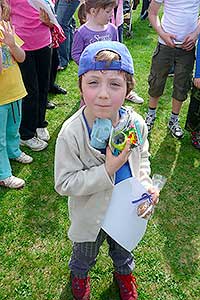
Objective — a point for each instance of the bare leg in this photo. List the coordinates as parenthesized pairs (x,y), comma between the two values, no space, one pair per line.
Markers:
(176,106)
(153,102)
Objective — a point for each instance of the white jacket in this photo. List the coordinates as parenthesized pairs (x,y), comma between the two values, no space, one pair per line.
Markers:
(80,174)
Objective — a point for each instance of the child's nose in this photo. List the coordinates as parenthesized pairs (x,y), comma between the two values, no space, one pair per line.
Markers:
(103,93)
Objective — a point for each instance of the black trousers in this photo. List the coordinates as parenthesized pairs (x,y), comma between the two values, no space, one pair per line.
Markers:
(35,73)
(193,115)
(54,67)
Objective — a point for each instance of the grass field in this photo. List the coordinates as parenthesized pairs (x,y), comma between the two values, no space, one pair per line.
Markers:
(34,248)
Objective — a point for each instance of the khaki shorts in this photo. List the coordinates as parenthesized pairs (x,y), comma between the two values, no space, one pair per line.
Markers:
(164,58)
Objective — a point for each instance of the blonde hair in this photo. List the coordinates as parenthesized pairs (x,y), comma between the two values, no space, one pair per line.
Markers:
(5,15)
(110,56)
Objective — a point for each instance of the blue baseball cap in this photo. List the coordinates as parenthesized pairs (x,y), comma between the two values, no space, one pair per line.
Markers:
(88,61)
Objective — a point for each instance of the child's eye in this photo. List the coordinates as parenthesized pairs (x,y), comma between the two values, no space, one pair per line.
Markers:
(108,11)
(115,84)
(92,82)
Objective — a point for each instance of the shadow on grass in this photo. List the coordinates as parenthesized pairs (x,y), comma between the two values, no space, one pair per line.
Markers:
(179,211)
(66,293)
(111,293)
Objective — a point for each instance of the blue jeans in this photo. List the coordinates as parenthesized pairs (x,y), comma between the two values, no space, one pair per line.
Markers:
(10,118)
(65,11)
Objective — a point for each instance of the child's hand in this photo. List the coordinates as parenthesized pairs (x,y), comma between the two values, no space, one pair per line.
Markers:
(44,17)
(155,194)
(114,163)
(8,34)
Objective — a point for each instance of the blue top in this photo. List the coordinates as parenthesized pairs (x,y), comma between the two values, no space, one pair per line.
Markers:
(197,70)
(124,172)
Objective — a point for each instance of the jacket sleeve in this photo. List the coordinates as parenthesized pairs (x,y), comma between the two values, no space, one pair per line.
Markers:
(72,177)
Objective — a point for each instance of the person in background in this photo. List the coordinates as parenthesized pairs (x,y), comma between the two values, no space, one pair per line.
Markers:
(87,172)
(118,19)
(193,115)
(65,10)
(11,91)
(178,32)
(54,88)
(97,27)
(35,72)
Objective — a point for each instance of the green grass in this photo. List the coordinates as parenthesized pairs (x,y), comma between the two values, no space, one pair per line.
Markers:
(34,248)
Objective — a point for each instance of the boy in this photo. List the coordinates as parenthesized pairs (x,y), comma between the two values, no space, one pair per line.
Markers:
(178,31)
(88,174)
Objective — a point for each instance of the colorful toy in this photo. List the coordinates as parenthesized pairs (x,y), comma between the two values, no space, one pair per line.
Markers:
(126,129)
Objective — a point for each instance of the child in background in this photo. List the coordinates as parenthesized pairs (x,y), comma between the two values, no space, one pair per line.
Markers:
(97,26)
(88,174)
(11,91)
(98,15)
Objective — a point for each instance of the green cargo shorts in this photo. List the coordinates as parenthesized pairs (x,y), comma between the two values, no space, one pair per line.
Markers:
(164,58)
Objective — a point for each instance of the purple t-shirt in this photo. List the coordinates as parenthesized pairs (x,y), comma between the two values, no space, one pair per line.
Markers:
(84,36)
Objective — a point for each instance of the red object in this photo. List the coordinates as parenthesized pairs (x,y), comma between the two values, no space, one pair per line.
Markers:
(196,139)
(80,288)
(58,36)
(127,286)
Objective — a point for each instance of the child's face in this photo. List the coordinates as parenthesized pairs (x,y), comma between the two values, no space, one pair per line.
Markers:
(103,16)
(104,93)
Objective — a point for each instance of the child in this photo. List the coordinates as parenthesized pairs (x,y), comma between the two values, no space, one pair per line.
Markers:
(97,27)
(193,115)
(11,92)
(88,174)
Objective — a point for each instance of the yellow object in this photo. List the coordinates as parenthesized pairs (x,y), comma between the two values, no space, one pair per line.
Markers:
(119,141)
(11,83)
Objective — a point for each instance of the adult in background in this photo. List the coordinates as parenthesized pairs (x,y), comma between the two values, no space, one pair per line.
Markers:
(35,70)
(178,33)
(65,10)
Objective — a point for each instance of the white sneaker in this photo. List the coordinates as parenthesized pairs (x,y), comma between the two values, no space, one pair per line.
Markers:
(12,182)
(133,97)
(34,144)
(43,134)
(23,158)
(175,129)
